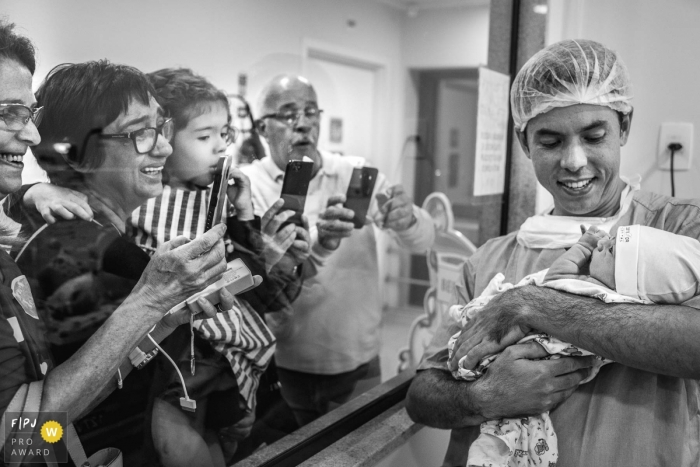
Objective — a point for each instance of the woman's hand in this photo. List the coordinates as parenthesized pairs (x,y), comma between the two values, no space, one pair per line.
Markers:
(208,310)
(180,268)
(240,196)
(52,201)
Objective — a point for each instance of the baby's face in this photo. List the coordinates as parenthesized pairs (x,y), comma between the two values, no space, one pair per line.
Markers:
(602,265)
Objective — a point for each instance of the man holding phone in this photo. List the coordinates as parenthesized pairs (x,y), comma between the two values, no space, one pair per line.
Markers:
(330,340)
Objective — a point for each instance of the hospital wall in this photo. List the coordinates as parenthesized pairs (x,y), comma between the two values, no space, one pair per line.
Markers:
(658,42)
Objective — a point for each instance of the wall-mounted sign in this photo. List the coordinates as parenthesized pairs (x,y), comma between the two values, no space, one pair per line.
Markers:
(491,133)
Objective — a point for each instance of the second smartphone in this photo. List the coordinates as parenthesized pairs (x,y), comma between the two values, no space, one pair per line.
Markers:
(359,194)
(297,177)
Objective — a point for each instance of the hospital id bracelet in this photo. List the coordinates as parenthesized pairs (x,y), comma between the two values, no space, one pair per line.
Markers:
(139,358)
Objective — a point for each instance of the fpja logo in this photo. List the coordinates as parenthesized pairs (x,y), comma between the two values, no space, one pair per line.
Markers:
(23,423)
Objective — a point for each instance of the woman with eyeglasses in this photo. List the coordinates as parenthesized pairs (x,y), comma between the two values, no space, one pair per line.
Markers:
(87,292)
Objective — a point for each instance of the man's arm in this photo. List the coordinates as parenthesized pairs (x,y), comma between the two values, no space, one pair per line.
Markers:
(656,338)
(514,385)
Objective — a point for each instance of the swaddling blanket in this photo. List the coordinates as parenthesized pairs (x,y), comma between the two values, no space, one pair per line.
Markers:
(522,442)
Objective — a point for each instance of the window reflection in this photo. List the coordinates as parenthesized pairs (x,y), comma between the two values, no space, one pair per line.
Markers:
(337,301)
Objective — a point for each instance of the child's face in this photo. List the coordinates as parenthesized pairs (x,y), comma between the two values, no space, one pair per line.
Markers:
(602,265)
(197,148)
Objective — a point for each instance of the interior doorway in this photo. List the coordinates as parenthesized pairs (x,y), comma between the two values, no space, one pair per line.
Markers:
(445,150)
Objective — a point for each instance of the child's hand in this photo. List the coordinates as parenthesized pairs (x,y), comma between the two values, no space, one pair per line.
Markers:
(301,247)
(53,201)
(240,196)
(276,239)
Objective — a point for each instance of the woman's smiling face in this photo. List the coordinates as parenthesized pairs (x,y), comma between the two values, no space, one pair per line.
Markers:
(127,177)
(15,88)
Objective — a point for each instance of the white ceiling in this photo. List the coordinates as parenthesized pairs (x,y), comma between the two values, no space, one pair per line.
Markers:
(417,5)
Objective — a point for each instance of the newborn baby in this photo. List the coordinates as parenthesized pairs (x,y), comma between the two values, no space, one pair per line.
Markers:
(640,265)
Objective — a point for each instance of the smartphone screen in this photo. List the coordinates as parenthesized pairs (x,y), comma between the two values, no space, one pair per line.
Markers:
(217,200)
(294,188)
(359,193)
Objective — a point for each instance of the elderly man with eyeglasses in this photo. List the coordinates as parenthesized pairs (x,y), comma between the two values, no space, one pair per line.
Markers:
(330,340)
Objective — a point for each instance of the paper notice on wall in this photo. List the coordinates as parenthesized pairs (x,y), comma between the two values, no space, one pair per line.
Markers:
(491,133)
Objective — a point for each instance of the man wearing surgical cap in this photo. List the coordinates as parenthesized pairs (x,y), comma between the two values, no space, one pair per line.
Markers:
(571,104)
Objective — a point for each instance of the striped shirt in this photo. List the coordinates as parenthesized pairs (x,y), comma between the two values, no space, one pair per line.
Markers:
(239,334)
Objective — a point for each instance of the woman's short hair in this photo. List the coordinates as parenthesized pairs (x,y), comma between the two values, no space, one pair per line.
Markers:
(16,47)
(185,95)
(81,99)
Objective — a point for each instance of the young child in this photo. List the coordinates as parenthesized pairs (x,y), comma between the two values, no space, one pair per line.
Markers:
(641,265)
(232,350)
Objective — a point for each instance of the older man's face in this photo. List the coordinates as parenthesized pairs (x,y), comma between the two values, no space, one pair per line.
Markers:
(292,140)
(575,151)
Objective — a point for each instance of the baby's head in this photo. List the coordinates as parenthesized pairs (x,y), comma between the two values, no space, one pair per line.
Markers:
(640,261)
(202,120)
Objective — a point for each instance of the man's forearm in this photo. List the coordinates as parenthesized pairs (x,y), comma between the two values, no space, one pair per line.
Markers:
(76,384)
(436,399)
(657,338)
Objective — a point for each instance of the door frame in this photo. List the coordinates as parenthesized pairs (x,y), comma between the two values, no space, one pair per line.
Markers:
(319,50)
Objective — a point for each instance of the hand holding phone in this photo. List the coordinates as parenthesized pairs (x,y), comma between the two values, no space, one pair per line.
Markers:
(297,177)
(359,194)
(237,279)
(217,199)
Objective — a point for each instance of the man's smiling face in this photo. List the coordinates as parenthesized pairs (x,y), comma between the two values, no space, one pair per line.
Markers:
(575,151)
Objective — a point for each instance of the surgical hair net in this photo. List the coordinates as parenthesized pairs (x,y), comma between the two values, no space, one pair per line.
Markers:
(567,73)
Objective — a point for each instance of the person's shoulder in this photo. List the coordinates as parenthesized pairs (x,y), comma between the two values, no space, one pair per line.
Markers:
(676,215)
(497,247)
(504,241)
(656,202)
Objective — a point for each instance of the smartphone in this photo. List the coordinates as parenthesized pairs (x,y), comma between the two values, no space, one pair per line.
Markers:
(237,279)
(359,193)
(217,200)
(294,188)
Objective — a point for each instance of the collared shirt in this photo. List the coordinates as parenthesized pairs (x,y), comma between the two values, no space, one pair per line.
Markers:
(334,325)
(624,417)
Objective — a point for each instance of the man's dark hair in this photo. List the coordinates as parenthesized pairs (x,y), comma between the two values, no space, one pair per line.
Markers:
(185,95)
(81,99)
(15,47)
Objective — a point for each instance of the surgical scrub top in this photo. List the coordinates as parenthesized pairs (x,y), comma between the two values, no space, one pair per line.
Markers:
(625,417)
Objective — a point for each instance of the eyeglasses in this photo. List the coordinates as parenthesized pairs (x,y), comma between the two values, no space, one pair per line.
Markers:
(291,117)
(145,139)
(16,116)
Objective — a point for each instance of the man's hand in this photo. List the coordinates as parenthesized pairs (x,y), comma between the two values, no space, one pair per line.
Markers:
(52,201)
(396,208)
(180,268)
(498,325)
(240,195)
(516,385)
(335,223)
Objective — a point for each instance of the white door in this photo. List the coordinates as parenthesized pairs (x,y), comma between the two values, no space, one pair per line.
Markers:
(346,93)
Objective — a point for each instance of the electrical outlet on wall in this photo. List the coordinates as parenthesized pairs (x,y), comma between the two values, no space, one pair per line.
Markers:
(675,133)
